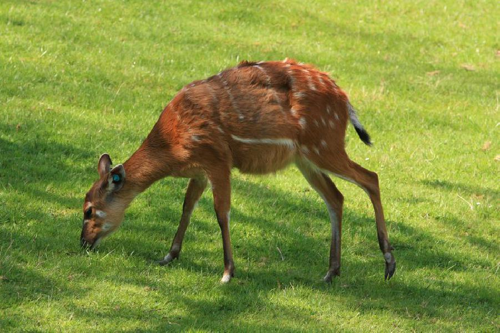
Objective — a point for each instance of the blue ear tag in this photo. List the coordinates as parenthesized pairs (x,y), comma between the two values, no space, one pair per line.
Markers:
(116,178)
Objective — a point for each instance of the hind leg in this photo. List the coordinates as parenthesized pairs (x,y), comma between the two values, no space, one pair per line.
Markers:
(334,200)
(343,167)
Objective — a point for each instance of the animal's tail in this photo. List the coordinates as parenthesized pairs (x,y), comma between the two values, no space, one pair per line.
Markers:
(362,133)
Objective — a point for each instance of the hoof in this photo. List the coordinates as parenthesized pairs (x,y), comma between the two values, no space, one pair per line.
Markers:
(390,269)
(226,278)
(168,258)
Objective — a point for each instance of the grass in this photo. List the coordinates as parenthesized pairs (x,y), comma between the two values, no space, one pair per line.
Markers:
(79,78)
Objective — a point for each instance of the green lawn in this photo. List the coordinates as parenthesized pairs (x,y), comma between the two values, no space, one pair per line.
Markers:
(80,78)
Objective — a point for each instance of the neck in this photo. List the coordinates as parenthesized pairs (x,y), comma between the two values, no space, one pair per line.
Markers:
(146,166)
(153,160)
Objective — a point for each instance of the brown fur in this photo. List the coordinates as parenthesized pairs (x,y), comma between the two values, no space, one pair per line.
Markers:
(257,117)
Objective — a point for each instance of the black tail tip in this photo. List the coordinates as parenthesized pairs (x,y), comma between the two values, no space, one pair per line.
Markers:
(363,135)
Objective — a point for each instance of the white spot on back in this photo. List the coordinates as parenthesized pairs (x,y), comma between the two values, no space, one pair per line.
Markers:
(195,138)
(323,143)
(231,98)
(316,150)
(316,122)
(299,95)
(310,83)
(323,121)
(328,110)
(302,122)
(388,257)
(304,149)
(321,81)
(293,111)
(336,116)
(332,124)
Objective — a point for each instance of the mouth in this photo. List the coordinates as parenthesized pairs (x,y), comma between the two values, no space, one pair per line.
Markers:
(89,246)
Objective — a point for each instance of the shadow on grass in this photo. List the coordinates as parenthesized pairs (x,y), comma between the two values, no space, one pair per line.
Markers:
(460,187)
(33,163)
(306,252)
(303,266)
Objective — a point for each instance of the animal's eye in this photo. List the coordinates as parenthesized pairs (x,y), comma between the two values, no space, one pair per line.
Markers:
(88,213)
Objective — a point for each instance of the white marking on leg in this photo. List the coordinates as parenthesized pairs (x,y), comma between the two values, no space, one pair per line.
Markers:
(333,219)
(168,258)
(302,122)
(175,248)
(279,142)
(225,278)
(388,257)
(334,223)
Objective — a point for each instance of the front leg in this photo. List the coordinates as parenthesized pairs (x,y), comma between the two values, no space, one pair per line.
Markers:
(194,191)
(221,188)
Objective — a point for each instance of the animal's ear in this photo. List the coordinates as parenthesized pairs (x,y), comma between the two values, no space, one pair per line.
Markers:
(104,165)
(116,178)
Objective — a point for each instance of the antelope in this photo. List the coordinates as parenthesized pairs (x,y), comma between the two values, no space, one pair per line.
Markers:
(258,117)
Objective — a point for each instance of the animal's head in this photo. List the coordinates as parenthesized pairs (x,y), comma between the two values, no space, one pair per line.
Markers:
(104,205)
